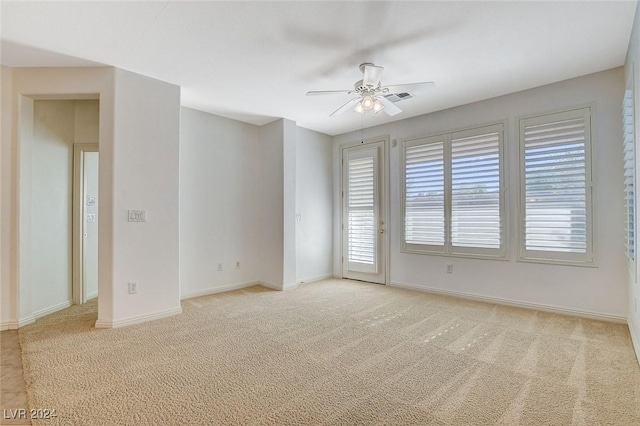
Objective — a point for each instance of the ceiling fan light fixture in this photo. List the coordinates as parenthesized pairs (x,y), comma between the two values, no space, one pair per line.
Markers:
(377,106)
(367,103)
(359,108)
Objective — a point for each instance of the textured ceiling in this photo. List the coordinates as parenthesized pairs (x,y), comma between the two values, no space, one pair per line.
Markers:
(254,61)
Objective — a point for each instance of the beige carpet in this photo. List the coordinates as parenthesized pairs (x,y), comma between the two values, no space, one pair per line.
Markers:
(334,352)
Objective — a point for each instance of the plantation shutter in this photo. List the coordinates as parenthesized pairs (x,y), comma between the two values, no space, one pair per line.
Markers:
(629,172)
(425,193)
(361,212)
(476,189)
(557,186)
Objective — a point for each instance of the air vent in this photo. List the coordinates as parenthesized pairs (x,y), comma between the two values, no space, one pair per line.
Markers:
(397,97)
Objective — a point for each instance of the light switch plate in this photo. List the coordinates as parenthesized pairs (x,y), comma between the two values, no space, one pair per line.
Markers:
(137,215)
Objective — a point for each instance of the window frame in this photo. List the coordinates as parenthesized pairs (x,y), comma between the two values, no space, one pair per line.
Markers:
(587,259)
(448,249)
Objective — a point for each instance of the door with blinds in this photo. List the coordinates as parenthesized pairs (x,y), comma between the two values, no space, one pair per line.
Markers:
(363,219)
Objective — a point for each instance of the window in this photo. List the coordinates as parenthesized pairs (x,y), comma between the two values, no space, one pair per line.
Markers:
(629,172)
(453,201)
(361,212)
(555,179)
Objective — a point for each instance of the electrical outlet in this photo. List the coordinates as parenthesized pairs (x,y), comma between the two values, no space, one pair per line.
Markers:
(449,269)
(133,287)
(237,264)
(219,267)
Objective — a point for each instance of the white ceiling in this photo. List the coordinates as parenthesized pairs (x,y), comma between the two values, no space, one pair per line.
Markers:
(254,61)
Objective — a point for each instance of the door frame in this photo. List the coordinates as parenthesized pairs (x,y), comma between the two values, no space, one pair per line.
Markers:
(385,204)
(78,291)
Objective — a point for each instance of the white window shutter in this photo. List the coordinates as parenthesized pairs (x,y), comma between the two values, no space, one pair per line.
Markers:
(557,186)
(424,194)
(476,190)
(361,212)
(629,172)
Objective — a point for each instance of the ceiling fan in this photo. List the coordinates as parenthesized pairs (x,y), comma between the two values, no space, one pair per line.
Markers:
(370,94)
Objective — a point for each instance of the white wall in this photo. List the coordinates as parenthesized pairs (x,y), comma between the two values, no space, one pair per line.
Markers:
(220,203)
(55,130)
(632,72)
(314,204)
(272,204)
(240,187)
(146,177)
(289,143)
(51,196)
(599,291)
(8,300)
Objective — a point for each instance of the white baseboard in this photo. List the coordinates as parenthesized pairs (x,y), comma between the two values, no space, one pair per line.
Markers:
(92,295)
(635,339)
(51,309)
(291,286)
(271,286)
(515,303)
(24,321)
(219,289)
(14,325)
(137,319)
(316,278)
(279,287)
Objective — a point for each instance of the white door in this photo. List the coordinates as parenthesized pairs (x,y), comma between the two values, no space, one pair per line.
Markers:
(85,222)
(90,223)
(363,218)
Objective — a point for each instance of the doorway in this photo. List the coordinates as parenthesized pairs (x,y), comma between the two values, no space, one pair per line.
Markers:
(85,222)
(364,212)
(50,130)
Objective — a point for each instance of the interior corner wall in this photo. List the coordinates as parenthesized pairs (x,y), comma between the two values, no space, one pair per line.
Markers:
(289,135)
(314,205)
(632,73)
(220,203)
(146,177)
(8,312)
(600,291)
(271,186)
(240,189)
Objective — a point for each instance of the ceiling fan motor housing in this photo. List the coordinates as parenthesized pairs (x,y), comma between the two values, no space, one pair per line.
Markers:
(361,89)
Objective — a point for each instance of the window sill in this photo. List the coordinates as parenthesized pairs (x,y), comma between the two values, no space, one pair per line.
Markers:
(559,262)
(457,255)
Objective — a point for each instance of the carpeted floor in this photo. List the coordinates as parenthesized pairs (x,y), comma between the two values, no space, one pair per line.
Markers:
(333,352)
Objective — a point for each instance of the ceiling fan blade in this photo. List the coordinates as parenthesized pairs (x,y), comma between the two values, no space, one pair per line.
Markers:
(372,74)
(344,107)
(411,87)
(329,92)
(389,107)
